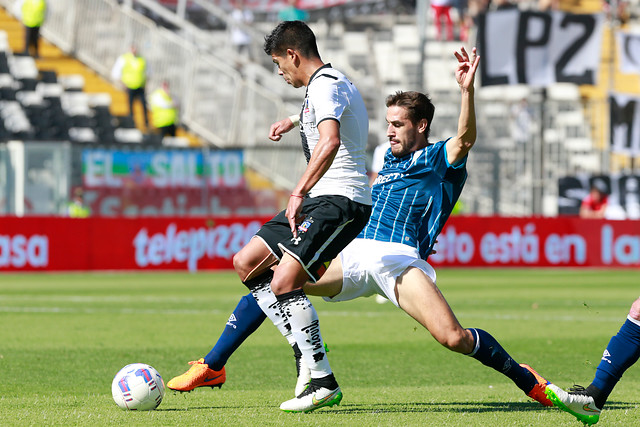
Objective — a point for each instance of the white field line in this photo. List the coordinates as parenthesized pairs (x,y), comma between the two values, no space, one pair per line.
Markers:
(137,310)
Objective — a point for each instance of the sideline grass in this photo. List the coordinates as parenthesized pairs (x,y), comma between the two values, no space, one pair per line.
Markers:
(64,336)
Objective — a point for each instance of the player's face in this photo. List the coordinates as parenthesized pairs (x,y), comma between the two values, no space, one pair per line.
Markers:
(287,68)
(404,136)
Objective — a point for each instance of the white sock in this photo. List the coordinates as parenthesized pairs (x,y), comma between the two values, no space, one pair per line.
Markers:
(268,302)
(305,327)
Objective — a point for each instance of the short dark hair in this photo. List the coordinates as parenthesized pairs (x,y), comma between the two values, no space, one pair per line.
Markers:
(418,106)
(291,35)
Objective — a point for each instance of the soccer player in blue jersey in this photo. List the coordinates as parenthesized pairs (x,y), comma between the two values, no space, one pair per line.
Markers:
(413,196)
(621,353)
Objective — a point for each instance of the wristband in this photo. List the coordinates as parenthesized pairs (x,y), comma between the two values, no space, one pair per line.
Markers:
(295,119)
(297,195)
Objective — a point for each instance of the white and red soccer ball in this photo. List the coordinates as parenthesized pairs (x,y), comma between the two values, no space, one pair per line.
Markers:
(138,387)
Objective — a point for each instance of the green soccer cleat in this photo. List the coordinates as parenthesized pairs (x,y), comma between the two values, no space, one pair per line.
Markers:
(312,398)
(576,402)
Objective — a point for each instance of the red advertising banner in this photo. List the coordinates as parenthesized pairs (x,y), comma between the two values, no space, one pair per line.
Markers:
(537,242)
(62,244)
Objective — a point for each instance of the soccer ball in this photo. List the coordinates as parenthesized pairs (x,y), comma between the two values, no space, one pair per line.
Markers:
(137,387)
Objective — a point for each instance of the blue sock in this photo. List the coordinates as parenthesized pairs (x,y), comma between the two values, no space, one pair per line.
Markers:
(490,353)
(244,320)
(622,352)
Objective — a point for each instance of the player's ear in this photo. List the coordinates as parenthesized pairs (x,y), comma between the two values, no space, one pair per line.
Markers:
(422,125)
(293,56)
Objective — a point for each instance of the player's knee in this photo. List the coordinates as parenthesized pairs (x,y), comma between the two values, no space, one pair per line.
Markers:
(241,266)
(634,312)
(457,340)
(278,287)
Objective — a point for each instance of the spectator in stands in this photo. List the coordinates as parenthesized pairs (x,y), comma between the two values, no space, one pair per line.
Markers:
(292,13)
(76,207)
(131,70)
(462,7)
(475,8)
(33,13)
(595,204)
(441,9)
(240,38)
(164,113)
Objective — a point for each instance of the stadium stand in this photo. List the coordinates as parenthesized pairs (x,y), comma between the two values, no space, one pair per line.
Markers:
(56,97)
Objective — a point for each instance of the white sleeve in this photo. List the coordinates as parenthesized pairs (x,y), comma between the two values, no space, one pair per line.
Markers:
(328,100)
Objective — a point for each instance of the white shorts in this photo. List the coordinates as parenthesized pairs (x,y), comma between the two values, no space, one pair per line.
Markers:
(370,267)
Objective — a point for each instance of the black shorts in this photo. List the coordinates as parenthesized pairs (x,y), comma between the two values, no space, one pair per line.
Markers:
(329,224)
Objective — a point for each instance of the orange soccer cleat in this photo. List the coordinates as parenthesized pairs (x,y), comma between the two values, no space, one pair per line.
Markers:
(199,375)
(538,392)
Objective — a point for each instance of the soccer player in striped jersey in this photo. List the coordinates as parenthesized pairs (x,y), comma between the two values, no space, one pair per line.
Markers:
(413,196)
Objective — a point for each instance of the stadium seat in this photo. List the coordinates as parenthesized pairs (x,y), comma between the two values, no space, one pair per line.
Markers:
(152,139)
(125,122)
(72,82)
(175,141)
(128,136)
(4,63)
(23,67)
(85,135)
(48,76)
(49,89)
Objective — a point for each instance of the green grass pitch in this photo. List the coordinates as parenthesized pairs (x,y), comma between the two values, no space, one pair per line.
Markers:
(64,336)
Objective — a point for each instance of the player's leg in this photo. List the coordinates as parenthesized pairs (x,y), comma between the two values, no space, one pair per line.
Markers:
(330,284)
(331,223)
(418,296)
(210,371)
(622,352)
(323,388)
(243,321)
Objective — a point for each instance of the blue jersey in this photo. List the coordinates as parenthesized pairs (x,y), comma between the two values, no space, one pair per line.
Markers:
(413,197)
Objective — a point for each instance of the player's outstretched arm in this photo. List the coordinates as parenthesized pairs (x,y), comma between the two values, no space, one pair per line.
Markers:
(459,146)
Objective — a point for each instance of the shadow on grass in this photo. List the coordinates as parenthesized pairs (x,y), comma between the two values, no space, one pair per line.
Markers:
(470,407)
(411,407)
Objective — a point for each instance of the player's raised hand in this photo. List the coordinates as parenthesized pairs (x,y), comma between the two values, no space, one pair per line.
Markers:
(467,66)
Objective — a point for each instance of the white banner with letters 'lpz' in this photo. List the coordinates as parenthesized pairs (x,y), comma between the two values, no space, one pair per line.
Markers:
(539,48)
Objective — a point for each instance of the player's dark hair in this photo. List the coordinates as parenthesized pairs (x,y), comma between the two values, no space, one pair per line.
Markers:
(418,106)
(291,35)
